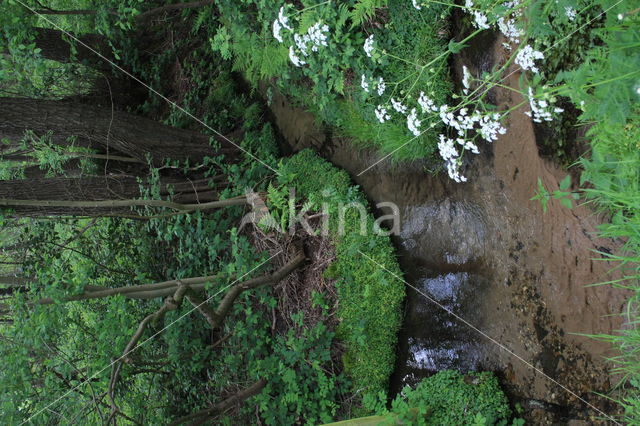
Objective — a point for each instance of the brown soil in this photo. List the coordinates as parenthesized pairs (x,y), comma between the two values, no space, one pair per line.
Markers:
(536,267)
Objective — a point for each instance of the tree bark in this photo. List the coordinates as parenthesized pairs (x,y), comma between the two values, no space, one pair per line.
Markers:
(96,196)
(53,46)
(137,137)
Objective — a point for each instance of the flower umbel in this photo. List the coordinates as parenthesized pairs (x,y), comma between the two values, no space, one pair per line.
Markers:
(368,45)
(526,58)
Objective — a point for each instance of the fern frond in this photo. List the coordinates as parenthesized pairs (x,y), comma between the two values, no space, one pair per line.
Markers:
(364,10)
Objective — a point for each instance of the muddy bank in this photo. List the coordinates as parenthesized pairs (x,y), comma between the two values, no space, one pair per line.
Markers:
(487,252)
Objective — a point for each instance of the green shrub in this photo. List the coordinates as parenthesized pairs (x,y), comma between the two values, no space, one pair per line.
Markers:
(451,398)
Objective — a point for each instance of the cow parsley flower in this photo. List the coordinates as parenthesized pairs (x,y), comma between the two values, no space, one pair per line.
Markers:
(510,30)
(480,20)
(284,21)
(279,23)
(301,43)
(368,45)
(382,86)
(413,123)
(426,103)
(297,61)
(447,148)
(526,58)
(364,83)
(490,127)
(317,35)
(381,114)
(466,77)
(277,28)
(541,110)
(449,153)
(571,13)
(416,4)
(398,106)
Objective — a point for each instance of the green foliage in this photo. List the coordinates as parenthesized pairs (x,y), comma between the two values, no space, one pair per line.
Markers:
(449,397)
(370,297)
(565,197)
(408,55)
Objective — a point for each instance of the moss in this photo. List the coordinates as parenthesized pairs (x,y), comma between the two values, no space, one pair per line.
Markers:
(370,298)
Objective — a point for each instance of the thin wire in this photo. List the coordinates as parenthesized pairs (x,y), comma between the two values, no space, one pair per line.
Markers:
(499,81)
(151,337)
(127,73)
(496,342)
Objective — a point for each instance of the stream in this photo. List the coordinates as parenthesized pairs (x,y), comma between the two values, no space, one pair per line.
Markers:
(488,253)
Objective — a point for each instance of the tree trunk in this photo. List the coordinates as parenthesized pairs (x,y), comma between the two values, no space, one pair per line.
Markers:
(98,196)
(134,136)
(53,46)
(70,189)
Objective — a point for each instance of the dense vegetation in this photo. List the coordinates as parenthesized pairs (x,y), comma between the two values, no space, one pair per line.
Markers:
(134,290)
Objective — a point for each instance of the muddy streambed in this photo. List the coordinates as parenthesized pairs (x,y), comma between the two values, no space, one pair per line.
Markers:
(485,251)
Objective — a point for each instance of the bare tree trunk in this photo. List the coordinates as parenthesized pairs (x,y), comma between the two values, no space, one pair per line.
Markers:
(137,137)
(54,46)
(95,196)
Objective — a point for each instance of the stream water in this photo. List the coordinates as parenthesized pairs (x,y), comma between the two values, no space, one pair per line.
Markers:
(486,252)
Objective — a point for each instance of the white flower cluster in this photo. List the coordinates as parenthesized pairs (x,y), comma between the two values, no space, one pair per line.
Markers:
(413,123)
(316,36)
(297,61)
(368,45)
(448,151)
(541,110)
(398,106)
(380,85)
(570,13)
(467,126)
(466,79)
(526,58)
(487,126)
(481,20)
(506,24)
(426,103)
(364,83)
(510,29)
(381,114)
(281,22)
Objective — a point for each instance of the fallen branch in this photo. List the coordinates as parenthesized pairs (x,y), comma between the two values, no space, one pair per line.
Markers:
(221,407)
(215,319)
(170,304)
(236,201)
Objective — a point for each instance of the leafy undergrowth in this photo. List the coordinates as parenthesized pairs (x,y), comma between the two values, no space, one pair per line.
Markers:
(369,297)
(613,174)
(408,58)
(449,398)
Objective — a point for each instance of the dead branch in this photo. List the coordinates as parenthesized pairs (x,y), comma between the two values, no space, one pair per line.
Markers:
(200,416)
